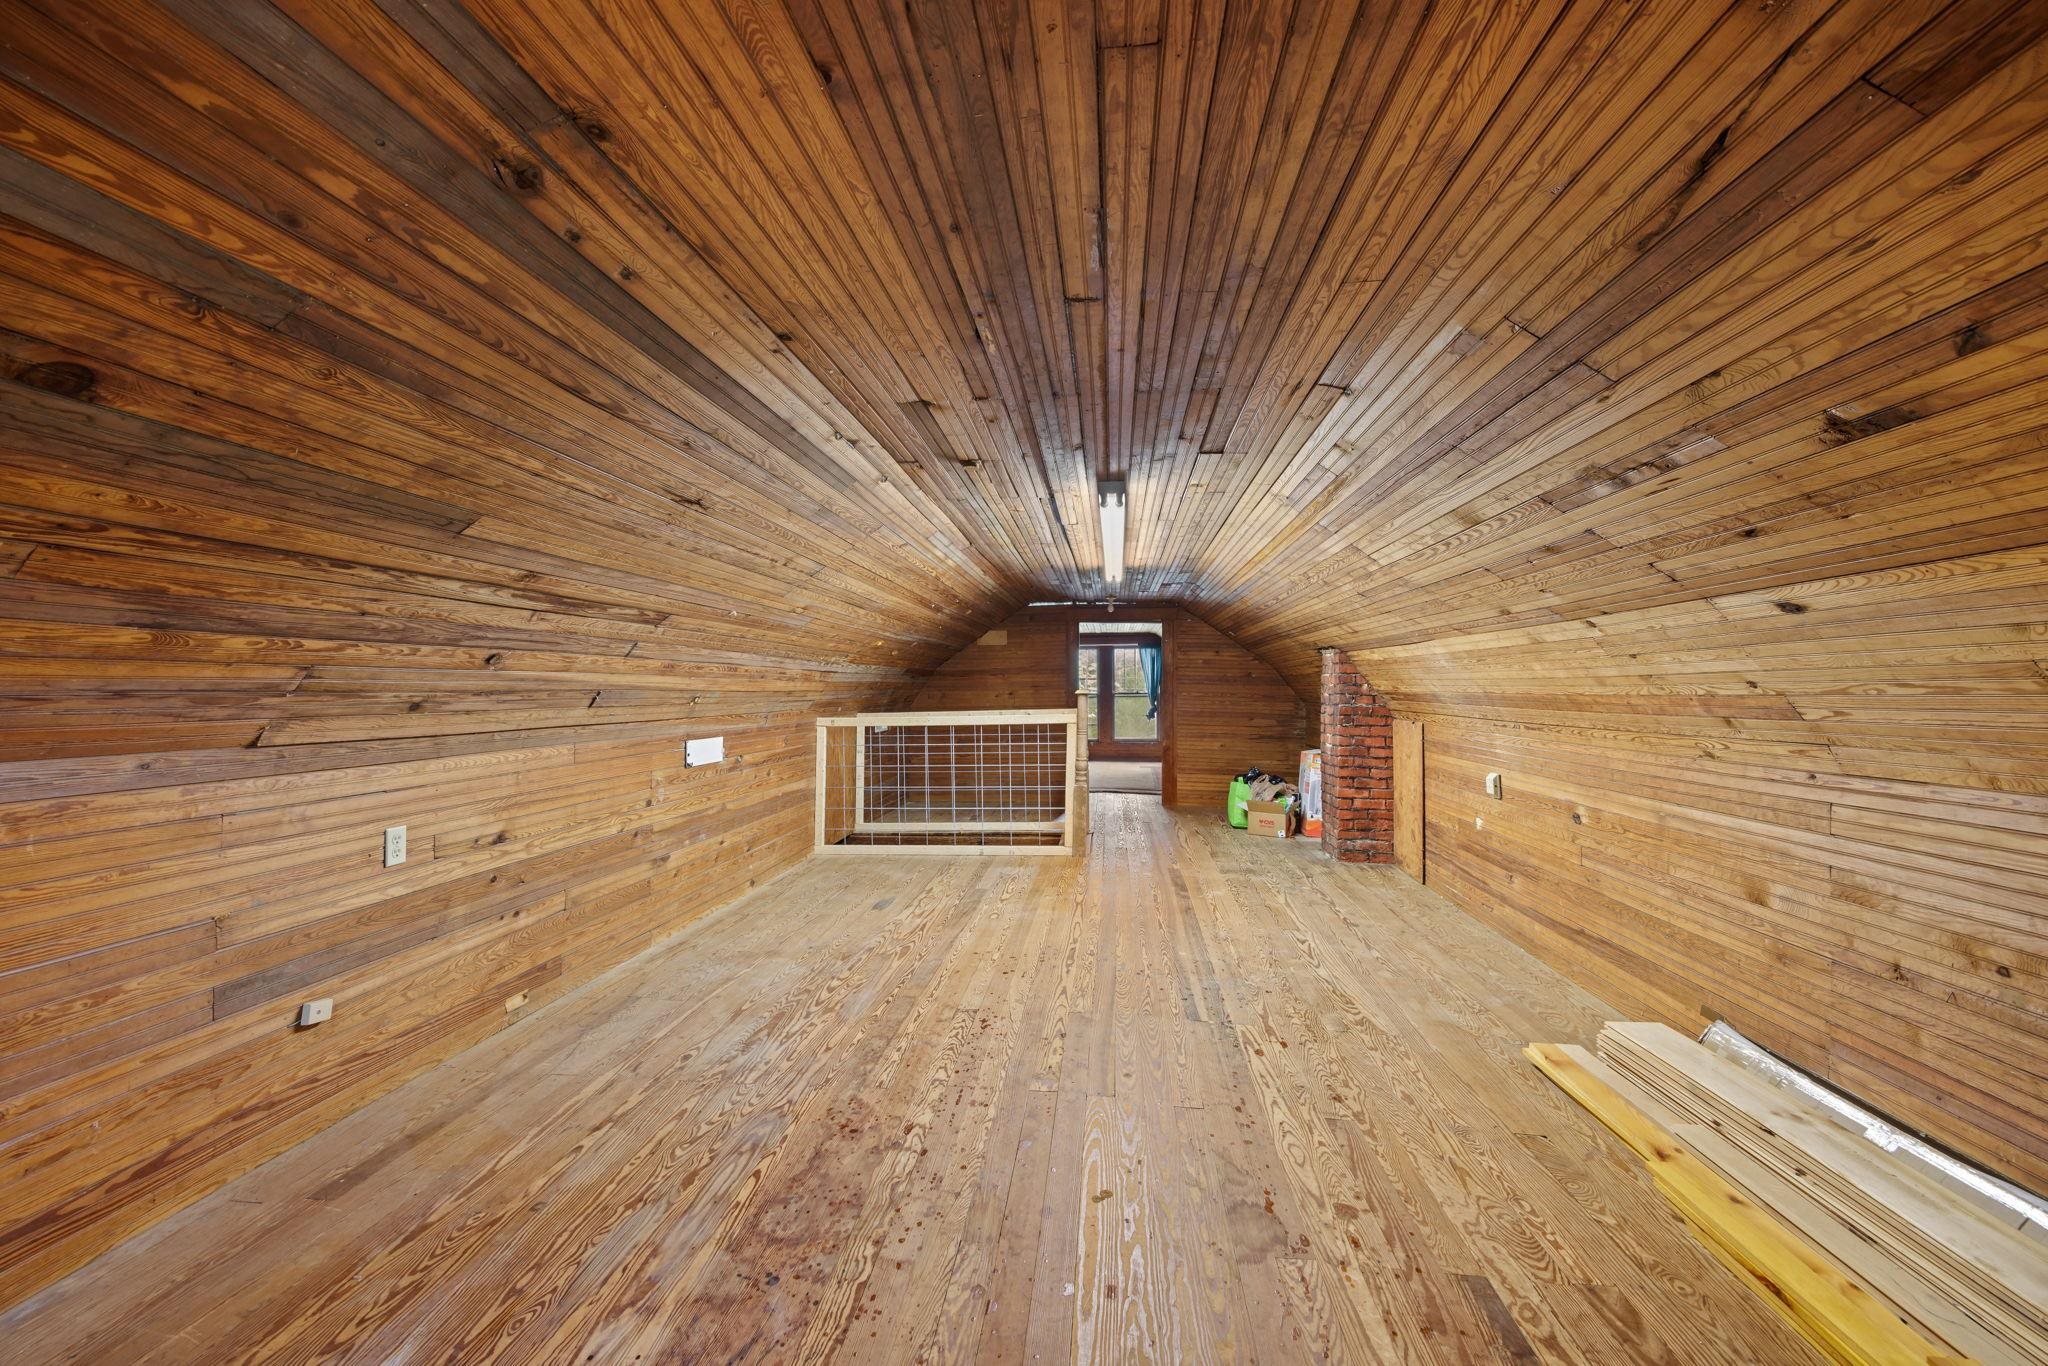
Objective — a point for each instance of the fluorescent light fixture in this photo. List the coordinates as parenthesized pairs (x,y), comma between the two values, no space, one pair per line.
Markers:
(1109,504)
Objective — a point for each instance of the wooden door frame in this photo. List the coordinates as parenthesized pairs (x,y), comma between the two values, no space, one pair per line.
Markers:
(1141,751)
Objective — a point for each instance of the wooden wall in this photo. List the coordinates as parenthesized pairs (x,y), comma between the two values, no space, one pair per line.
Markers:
(1818,812)
(1025,662)
(1885,934)
(345,483)
(1225,708)
(161,918)
(1688,468)
(1228,710)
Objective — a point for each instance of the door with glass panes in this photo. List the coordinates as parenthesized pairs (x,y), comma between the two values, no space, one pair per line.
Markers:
(1120,670)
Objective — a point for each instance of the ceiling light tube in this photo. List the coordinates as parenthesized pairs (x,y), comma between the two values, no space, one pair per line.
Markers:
(1109,505)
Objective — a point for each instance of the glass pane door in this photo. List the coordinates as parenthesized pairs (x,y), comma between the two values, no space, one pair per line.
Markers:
(1132,717)
(1123,719)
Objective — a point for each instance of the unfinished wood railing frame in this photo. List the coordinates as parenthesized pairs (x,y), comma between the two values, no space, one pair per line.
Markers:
(1070,826)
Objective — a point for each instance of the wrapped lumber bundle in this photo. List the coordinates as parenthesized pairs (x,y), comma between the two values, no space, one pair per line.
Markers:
(1837,1314)
(1944,1265)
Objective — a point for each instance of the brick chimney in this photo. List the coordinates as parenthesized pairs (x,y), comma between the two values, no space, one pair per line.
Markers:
(1358,765)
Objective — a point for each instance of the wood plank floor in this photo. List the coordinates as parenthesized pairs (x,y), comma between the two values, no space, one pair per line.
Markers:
(1205,1097)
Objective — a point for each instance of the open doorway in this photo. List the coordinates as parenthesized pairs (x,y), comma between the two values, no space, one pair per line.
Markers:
(1120,668)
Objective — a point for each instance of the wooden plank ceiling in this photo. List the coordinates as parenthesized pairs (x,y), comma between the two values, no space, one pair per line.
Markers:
(816,322)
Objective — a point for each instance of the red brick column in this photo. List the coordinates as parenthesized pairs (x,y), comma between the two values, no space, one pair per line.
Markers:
(1358,765)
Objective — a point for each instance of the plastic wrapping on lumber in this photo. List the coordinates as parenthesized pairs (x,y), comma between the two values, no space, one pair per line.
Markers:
(1836,1314)
(1935,1315)
(1992,1277)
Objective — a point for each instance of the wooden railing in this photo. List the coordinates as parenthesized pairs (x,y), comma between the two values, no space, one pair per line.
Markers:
(952,782)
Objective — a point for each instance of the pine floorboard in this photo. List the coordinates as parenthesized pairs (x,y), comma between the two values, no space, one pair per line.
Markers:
(1200,1097)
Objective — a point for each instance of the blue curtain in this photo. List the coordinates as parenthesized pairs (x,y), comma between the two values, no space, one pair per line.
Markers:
(1150,661)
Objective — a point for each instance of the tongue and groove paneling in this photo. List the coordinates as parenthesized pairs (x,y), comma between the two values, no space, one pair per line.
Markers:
(345,483)
(1224,709)
(1647,395)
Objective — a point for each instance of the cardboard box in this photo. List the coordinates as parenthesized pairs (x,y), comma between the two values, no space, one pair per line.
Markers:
(1275,820)
(1309,782)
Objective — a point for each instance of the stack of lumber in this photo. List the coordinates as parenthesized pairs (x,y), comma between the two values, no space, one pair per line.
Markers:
(1836,1314)
(1943,1264)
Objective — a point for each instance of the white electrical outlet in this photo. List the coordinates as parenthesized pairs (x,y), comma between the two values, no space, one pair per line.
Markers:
(698,753)
(1493,786)
(394,846)
(316,1012)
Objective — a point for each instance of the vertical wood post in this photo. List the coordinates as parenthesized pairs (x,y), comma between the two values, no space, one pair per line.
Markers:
(1077,776)
(824,740)
(860,775)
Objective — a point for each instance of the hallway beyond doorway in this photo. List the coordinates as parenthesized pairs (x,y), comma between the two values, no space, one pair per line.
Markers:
(1123,775)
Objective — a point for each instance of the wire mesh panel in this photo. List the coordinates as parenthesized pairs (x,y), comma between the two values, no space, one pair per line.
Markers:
(999,781)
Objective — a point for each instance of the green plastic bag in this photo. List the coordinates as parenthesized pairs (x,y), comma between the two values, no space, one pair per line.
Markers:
(1234,809)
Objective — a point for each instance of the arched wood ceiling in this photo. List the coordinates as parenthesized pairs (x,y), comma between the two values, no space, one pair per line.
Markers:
(1403,321)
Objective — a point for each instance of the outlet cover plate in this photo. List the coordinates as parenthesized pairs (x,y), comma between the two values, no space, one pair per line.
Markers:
(316,1012)
(394,846)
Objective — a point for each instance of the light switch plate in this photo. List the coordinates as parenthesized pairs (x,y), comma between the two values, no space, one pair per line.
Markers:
(698,753)
(394,846)
(316,1012)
